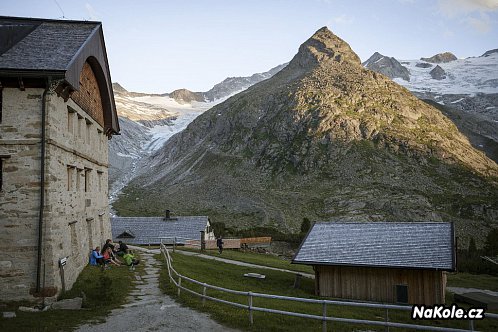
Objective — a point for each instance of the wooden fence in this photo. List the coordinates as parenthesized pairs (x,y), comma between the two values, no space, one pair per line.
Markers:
(177,279)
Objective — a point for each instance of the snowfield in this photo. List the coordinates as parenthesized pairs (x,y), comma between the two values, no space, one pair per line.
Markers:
(463,76)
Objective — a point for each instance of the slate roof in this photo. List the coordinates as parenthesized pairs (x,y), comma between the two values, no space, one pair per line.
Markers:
(33,48)
(42,45)
(423,245)
(150,230)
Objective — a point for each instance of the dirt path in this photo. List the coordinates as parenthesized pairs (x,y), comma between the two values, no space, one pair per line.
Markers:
(230,261)
(148,309)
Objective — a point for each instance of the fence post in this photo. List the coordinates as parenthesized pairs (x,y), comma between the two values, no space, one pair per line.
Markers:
(204,295)
(471,325)
(250,307)
(179,284)
(174,244)
(324,312)
(203,241)
(387,319)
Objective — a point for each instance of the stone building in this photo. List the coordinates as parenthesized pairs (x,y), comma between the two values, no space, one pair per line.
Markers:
(57,112)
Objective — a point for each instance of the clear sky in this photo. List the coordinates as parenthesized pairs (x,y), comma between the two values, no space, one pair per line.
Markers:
(160,46)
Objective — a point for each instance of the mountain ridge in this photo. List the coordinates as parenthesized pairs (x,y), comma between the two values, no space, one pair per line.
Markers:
(327,137)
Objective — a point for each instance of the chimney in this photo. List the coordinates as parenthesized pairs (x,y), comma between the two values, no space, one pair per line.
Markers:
(168,215)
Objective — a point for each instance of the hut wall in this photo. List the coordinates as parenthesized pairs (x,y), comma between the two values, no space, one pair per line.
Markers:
(379,284)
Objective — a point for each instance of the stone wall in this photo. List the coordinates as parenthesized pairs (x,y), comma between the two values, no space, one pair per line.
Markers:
(20,132)
(76,216)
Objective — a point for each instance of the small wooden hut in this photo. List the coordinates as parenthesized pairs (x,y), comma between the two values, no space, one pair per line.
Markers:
(390,262)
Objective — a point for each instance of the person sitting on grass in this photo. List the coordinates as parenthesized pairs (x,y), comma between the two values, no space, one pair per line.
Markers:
(130,260)
(122,248)
(96,257)
(108,257)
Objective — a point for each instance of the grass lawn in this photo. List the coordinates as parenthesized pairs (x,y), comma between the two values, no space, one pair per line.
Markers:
(467,280)
(104,291)
(259,259)
(281,283)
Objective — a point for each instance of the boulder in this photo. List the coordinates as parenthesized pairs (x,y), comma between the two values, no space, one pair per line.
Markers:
(69,304)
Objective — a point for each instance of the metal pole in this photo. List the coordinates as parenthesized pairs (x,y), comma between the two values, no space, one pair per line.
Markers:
(179,284)
(471,325)
(174,244)
(324,312)
(250,307)
(204,295)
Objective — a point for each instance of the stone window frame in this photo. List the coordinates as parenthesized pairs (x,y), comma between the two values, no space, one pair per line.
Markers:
(71,112)
(87,180)
(78,178)
(88,130)
(80,130)
(99,177)
(71,186)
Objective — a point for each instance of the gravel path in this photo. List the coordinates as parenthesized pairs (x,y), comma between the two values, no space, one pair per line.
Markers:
(148,309)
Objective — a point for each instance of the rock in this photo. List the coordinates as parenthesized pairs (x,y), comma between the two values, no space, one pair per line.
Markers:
(68,304)
(488,53)
(438,73)
(387,66)
(423,65)
(28,309)
(440,58)
(9,314)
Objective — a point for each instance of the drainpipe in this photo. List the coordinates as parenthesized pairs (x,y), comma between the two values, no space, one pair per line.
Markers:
(42,190)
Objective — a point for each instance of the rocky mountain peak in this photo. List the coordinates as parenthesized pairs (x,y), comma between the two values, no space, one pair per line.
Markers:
(488,53)
(388,66)
(118,87)
(323,47)
(441,58)
(184,96)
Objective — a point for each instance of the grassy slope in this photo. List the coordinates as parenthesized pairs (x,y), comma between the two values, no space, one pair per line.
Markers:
(104,291)
(230,276)
(259,259)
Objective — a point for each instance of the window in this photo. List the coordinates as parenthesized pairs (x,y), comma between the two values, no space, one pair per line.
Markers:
(88,130)
(99,137)
(70,178)
(70,120)
(87,179)
(99,175)
(78,179)
(80,124)
(402,293)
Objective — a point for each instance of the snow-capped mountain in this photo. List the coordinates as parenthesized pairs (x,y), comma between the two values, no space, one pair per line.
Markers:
(468,76)
(465,90)
(148,120)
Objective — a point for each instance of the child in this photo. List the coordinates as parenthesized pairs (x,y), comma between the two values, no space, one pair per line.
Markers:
(130,260)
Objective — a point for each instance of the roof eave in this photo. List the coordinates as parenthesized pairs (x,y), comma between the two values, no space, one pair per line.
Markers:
(374,266)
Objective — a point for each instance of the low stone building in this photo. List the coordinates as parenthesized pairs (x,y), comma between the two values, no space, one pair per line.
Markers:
(393,262)
(57,112)
(150,230)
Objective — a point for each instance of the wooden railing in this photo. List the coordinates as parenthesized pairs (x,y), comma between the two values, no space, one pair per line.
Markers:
(177,278)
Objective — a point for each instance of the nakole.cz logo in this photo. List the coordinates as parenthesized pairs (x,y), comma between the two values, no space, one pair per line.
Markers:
(443,312)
